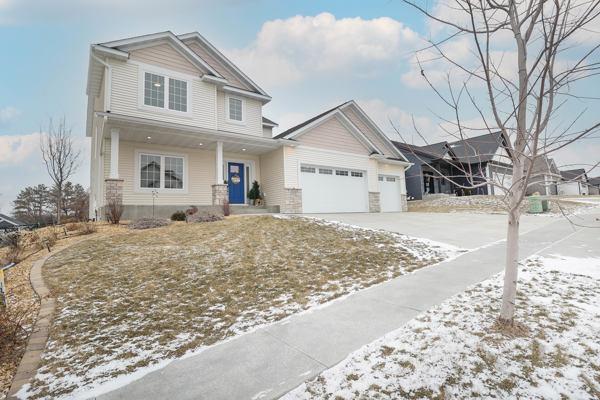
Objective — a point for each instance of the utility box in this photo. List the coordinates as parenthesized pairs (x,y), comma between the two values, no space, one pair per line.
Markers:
(535,205)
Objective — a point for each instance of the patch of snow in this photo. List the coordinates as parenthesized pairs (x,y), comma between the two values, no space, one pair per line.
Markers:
(453,350)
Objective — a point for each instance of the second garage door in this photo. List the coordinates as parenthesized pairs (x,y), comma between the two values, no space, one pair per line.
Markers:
(390,191)
(331,189)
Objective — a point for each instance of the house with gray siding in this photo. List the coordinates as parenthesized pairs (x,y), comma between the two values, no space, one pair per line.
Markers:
(465,162)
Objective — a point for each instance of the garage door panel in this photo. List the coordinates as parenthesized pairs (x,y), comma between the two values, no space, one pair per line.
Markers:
(329,189)
(390,193)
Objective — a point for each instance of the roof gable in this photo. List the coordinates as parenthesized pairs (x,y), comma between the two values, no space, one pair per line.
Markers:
(219,62)
(352,115)
(166,56)
(334,134)
(140,42)
(477,149)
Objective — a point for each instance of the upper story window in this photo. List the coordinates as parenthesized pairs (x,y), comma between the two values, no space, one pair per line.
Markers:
(235,109)
(165,92)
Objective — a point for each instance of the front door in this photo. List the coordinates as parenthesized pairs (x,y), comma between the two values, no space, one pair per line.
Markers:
(236,182)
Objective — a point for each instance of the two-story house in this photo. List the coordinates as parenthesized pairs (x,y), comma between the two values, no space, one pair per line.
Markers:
(174,123)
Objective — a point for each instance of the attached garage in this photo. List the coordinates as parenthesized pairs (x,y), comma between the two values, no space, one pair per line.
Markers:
(390,192)
(328,189)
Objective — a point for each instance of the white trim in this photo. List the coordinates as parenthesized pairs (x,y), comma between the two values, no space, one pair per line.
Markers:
(344,120)
(248,179)
(245,93)
(138,189)
(118,54)
(375,127)
(166,74)
(219,165)
(196,35)
(227,117)
(301,147)
(213,79)
(149,40)
(114,153)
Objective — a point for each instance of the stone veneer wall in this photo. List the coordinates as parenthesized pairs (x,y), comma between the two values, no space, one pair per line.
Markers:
(292,201)
(113,190)
(220,193)
(374,202)
(403,203)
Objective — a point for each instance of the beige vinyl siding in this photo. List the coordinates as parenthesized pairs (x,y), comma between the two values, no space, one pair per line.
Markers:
(368,132)
(199,176)
(296,156)
(332,135)
(165,56)
(126,88)
(252,116)
(217,65)
(267,131)
(271,178)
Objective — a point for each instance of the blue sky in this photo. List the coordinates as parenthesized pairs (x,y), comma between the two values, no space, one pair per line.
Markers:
(308,55)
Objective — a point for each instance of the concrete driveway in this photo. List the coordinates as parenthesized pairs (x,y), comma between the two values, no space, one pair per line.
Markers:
(465,230)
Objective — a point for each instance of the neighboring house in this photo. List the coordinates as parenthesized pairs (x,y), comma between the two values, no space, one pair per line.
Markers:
(423,178)
(465,162)
(574,182)
(544,177)
(174,123)
(9,223)
(594,186)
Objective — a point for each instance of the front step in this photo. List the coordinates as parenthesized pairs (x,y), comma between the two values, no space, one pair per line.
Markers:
(253,209)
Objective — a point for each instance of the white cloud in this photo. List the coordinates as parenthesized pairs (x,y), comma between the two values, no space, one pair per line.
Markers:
(8,113)
(17,148)
(288,50)
(391,118)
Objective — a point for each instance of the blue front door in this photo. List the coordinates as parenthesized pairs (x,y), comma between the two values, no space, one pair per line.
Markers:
(236,182)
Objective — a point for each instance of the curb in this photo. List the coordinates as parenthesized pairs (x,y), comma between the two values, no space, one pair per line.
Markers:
(39,334)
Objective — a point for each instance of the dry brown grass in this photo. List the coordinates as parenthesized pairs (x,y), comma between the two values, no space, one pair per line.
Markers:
(487,204)
(23,304)
(141,296)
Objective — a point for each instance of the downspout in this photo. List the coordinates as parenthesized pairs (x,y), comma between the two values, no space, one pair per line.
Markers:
(107,81)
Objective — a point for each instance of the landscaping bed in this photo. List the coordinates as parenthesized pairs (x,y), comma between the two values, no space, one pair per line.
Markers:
(492,204)
(23,303)
(456,351)
(132,301)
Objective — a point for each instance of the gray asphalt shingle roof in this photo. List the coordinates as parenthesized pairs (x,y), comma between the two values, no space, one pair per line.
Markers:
(477,149)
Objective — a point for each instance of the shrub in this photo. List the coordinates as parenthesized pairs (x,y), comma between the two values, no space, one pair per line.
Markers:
(114,211)
(148,223)
(49,237)
(178,216)
(204,218)
(226,208)
(88,227)
(72,226)
(14,243)
(254,192)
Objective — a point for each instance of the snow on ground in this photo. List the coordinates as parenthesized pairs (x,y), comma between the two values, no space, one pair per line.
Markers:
(455,350)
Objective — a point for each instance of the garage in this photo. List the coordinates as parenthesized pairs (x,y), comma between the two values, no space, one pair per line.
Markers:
(328,189)
(390,192)
(501,176)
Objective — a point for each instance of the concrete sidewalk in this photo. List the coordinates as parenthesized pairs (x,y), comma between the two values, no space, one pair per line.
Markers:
(271,361)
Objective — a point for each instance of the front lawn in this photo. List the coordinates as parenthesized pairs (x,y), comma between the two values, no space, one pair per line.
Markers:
(455,350)
(137,298)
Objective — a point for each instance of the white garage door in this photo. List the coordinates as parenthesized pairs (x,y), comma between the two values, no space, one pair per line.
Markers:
(389,192)
(331,189)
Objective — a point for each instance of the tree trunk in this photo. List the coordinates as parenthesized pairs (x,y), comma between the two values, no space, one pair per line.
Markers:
(58,206)
(509,295)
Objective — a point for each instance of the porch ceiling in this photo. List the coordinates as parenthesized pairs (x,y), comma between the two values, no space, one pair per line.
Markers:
(146,131)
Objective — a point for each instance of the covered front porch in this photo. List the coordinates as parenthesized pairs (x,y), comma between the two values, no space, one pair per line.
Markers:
(156,168)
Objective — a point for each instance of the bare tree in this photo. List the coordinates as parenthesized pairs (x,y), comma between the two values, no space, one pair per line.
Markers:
(61,158)
(526,61)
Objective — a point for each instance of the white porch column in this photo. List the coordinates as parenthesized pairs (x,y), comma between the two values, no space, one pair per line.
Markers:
(219,166)
(114,153)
